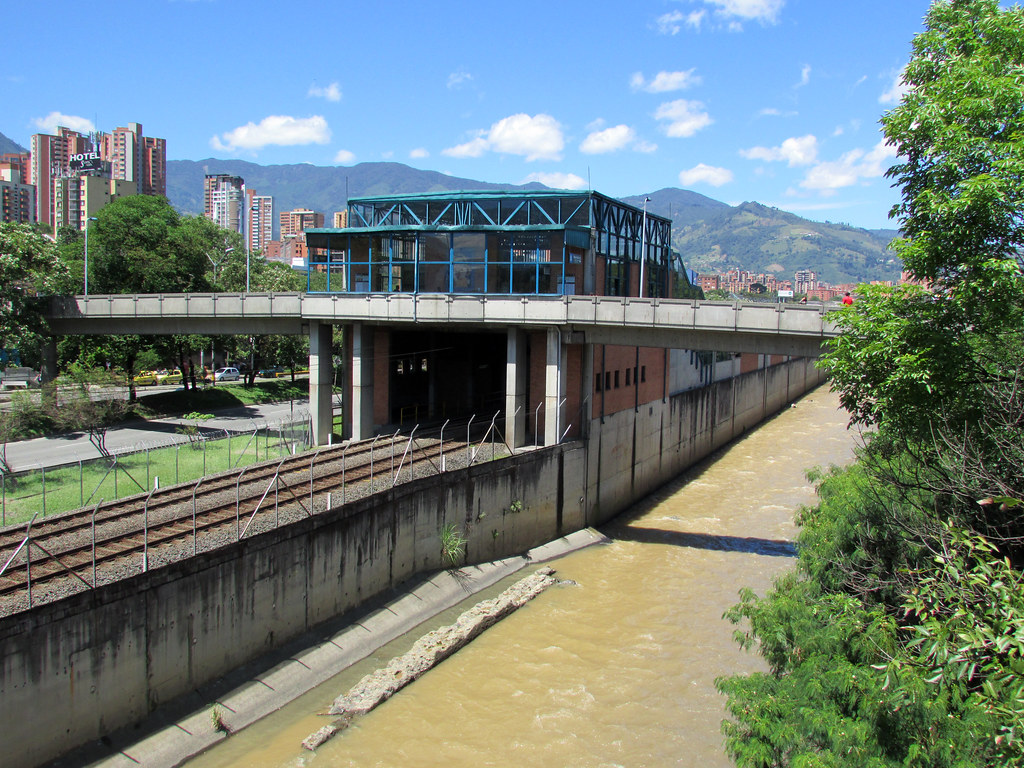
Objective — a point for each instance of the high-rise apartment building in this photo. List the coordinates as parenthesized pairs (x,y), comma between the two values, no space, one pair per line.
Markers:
(340,219)
(76,198)
(137,158)
(17,197)
(259,213)
(805,280)
(299,220)
(51,160)
(20,163)
(224,200)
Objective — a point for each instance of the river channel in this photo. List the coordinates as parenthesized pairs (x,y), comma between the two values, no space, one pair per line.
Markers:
(617,669)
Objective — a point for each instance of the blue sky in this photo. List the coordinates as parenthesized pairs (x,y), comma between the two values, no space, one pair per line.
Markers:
(769,100)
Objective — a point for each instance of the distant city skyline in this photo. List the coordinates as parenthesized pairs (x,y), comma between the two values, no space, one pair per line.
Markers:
(769,100)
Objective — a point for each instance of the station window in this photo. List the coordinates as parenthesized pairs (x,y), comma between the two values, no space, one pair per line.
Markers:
(616,379)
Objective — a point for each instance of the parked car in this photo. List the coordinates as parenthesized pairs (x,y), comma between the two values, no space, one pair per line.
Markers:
(168,377)
(271,373)
(226,374)
(145,378)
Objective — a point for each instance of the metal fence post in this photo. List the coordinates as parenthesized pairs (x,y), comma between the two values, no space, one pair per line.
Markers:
(195,530)
(81,485)
(43,469)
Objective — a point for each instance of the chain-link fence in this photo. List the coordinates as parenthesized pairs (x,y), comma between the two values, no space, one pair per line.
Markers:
(194,452)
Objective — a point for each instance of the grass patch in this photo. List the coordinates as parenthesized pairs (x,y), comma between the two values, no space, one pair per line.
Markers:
(61,489)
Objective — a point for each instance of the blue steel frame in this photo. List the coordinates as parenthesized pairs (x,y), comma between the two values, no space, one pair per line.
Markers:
(369,256)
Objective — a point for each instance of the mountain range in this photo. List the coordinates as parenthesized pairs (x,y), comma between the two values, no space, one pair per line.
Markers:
(712,236)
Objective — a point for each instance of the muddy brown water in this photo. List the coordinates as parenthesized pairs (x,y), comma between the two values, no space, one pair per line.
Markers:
(616,669)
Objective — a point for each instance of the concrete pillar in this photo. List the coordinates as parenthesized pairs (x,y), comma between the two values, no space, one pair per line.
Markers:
(517,369)
(554,372)
(362,381)
(321,377)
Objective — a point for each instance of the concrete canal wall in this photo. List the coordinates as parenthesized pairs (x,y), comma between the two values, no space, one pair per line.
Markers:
(82,667)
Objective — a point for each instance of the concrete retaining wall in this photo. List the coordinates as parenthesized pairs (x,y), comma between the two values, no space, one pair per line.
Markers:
(79,668)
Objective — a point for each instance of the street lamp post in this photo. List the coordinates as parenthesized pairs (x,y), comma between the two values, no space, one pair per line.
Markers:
(86,269)
(643,246)
(227,250)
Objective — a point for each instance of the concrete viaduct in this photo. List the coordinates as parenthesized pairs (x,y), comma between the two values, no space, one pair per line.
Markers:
(780,329)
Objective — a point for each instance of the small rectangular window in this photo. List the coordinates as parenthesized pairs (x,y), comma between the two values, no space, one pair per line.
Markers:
(608,380)
(616,379)
(628,372)
(643,373)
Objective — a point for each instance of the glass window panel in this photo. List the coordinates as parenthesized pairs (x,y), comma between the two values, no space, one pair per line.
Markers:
(337,276)
(434,247)
(469,278)
(468,246)
(403,248)
(380,247)
(433,278)
(498,278)
(490,212)
(360,278)
(497,249)
(524,278)
(360,249)
(524,248)
(521,216)
(550,278)
(403,278)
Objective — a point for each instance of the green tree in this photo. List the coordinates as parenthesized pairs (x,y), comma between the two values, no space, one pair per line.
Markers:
(29,267)
(140,244)
(897,639)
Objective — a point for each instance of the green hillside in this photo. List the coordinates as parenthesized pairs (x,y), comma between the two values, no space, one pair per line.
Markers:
(757,238)
(324,189)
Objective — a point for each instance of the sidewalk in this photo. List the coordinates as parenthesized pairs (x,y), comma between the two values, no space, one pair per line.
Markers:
(58,450)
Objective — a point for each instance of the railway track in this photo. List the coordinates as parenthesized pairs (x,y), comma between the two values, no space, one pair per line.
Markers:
(82,549)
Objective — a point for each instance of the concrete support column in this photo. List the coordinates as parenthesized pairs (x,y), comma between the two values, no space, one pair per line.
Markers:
(554,387)
(321,375)
(48,370)
(516,378)
(362,381)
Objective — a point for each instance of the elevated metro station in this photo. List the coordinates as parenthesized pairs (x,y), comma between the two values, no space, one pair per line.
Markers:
(547,383)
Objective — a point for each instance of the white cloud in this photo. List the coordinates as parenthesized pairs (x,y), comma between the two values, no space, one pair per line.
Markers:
(849,169)
(896,91)
(473,148)
(706,174)
(684,117)
(645,146)
(54,120)
(668,24)
(671,23)
(344,157)
(458,79)
(281,130)
(609,140)
(537,138)
(805,76)
(797,150)
(665,81)
(419,153)
(557,180)
(748,10)
(332,92)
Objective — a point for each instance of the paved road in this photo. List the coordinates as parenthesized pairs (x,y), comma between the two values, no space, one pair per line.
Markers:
(67,449)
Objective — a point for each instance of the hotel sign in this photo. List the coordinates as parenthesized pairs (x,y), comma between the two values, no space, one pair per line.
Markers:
(84,162)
